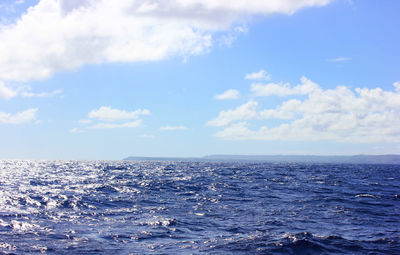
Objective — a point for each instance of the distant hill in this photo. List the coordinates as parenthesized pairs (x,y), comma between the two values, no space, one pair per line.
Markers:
(355,159)
(163,159)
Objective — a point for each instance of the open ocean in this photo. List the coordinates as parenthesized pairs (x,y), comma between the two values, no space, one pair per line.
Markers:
(127,207)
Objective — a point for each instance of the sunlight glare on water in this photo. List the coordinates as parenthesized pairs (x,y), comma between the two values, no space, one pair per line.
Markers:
(123,207)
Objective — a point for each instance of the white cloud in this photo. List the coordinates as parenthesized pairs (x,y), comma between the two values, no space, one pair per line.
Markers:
(397,85)
(41,94)
(131,124)
(340,114)
(149,136)
(340,59)
(5,92)
(261,75)
(76,130)
(18,118)
(62,35)
(285,111)
(114,118)
(24,91)
(284,89)
(243,112)
(228,38)
(106,113)
(172,128)
(85,121)
(229,94)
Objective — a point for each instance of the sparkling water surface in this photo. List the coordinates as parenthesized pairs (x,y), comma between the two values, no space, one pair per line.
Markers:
(128,207)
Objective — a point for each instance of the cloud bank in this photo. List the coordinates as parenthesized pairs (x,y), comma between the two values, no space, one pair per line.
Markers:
(63,35)
(341,114)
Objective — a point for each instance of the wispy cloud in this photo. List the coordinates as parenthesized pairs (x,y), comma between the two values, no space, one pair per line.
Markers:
(339,59)
(131,124)
(261,75)
(24,91)
(172,128)
(229,94)
(85,121)
(6,92)
(228,38)
(397,86)
(41,94)
(77,130)
(284,89)
(106,113)
(111,118)
(19,118)
(149,136)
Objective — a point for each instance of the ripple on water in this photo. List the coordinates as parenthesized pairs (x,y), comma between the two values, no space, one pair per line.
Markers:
(103,207)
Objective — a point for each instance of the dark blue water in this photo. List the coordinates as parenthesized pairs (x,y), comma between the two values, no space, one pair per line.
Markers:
(121,207)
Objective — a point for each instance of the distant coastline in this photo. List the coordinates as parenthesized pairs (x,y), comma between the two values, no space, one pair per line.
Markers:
(354,159)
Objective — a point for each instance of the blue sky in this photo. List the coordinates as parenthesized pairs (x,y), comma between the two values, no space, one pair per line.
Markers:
(110,79)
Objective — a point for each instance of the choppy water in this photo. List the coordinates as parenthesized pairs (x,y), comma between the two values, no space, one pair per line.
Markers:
(121,207)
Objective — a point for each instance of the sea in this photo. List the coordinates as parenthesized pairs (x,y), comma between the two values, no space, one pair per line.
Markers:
(150,207)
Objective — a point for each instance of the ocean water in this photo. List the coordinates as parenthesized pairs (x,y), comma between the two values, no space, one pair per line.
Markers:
(125,207)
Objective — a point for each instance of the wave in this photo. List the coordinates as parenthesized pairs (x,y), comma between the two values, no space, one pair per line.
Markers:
(121,207)
(305,243)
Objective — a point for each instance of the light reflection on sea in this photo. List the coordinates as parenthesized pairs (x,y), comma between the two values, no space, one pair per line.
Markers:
(124,207)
